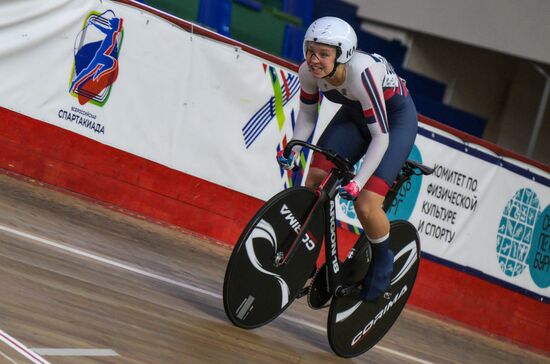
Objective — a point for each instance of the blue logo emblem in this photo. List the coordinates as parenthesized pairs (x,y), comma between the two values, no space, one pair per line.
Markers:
(515,231)
(539,254)
(403,205)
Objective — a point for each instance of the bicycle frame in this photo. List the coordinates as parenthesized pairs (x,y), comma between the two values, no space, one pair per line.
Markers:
(326,193)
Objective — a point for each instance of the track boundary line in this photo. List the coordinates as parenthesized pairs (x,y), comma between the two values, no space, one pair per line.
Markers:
(22,349)
(128,267)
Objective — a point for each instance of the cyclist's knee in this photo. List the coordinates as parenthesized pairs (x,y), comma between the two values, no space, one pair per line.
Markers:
(365,212)
(369,204)
(315,176)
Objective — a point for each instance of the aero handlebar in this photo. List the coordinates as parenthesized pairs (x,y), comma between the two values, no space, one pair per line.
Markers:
(341,163)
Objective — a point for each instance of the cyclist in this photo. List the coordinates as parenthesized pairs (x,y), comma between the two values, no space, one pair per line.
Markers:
(377,120)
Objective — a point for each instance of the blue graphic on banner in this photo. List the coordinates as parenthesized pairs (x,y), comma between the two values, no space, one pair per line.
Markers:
(96,53)
(403,205)
(539,254)
(515,231)
(284,91)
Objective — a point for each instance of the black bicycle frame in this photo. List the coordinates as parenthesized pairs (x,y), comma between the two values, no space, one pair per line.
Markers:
(326,193)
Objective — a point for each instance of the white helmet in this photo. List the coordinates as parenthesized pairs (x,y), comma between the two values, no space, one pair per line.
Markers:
(335,32)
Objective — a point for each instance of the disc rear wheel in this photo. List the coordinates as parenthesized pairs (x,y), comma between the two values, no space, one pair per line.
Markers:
(355,326)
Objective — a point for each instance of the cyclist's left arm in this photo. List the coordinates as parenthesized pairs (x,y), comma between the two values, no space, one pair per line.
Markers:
(369,92)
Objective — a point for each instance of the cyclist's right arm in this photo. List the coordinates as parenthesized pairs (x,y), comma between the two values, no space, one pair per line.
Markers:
(309,99)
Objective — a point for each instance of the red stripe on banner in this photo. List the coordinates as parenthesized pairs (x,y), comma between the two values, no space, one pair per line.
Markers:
(285,84)
(72,162)
(78,164)
(481,305)
(467,138)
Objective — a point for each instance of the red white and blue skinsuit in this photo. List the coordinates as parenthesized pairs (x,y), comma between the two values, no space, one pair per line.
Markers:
(377,119)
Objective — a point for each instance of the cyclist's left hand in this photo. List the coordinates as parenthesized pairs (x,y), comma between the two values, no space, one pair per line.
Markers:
(287,163)
(350,191)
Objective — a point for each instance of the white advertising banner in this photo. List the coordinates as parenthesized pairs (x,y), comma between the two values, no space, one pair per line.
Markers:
(477,212)
(136,82)
(483,213)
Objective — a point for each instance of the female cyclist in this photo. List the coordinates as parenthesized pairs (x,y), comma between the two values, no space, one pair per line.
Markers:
(377,120)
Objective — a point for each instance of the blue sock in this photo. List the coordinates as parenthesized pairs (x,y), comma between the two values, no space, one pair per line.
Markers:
(377,280)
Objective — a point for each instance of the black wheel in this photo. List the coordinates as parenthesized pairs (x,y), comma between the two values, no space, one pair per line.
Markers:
(354,326)
(255,291)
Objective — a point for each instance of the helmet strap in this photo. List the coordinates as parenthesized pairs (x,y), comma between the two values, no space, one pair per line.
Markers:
(333,70)
(338,53)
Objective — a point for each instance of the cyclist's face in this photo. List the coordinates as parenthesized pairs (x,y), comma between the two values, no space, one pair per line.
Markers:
(320,59)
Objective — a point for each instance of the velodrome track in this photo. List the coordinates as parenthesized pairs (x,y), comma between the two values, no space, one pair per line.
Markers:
(84,283)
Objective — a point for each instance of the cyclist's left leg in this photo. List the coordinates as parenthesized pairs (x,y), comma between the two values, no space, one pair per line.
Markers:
(402,133)
(368,207)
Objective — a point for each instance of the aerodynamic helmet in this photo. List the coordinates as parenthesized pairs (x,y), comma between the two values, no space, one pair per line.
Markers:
(334,32)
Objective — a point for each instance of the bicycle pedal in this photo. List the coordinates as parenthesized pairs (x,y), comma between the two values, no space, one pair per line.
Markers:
(355,268)
(349,291)
(318,294)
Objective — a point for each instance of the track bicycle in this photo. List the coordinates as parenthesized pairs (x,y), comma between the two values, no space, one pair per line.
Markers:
(278,249)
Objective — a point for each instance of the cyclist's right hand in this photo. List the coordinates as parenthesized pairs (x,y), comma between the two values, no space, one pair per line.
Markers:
(286,163)
(350,191)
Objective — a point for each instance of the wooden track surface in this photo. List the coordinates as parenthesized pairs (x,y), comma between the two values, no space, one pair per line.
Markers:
(77,275)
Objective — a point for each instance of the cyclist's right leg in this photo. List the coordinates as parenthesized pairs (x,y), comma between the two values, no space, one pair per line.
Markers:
(342,135)
(315,176)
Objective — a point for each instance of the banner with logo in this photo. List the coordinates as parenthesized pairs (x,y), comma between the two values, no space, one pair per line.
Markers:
(131,80)
(480,212)
(484,213)
(136,82)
